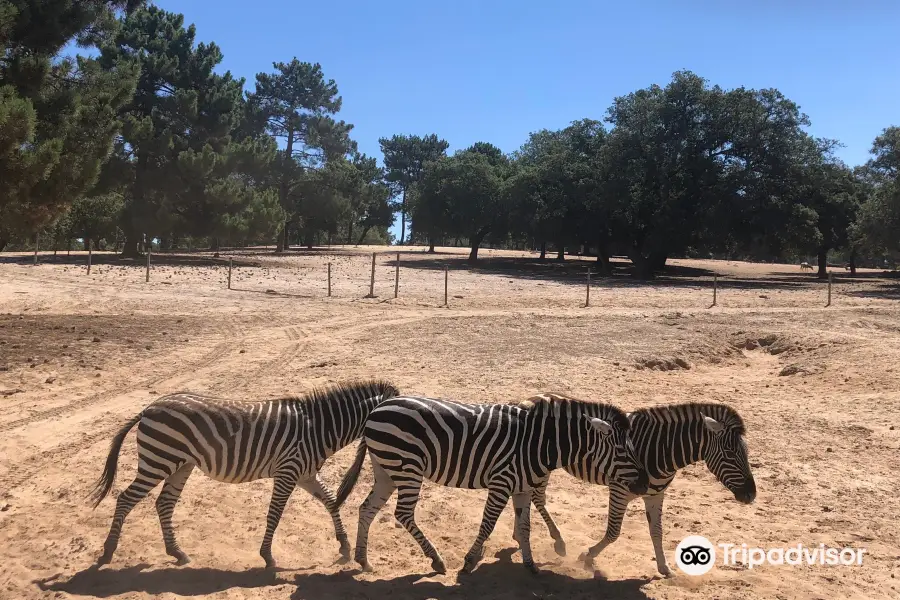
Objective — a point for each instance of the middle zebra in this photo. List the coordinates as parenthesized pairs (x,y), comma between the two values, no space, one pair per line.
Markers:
(508,449)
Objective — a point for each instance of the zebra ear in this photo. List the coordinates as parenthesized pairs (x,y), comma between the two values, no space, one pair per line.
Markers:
(602,426)
(712,424)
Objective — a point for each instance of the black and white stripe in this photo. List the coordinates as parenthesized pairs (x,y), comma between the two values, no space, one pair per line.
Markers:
(287,439)
(507,449)
(666,439)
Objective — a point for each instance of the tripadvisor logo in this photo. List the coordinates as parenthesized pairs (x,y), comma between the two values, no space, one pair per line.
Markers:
(696,555)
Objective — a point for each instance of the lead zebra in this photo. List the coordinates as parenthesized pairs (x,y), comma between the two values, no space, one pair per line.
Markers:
(287,439)
(507,449)
(666,439)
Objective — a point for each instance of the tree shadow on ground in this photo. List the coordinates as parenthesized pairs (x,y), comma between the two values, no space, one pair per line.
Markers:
(183,581)
(574,272)
(501,579)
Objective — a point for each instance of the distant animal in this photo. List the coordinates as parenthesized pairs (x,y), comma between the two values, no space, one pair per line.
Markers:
(805,266)
(287,439)
(667,438)
(507,449)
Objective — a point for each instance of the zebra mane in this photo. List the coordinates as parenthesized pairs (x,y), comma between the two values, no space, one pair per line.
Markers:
(557,403)
(722,413)
(358,389)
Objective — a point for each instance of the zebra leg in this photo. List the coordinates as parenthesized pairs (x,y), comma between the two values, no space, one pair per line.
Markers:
(619,498)
(539,498)
(522,507)
(285,482)
(165,506)
(653,506)
(134,493)
(381,491)
(496,502)
(405,513)
(320,492)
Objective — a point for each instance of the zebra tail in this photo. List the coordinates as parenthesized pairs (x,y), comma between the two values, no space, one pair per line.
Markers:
(349,480)
(105,482)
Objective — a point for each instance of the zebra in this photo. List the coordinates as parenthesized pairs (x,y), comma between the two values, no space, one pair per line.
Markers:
(666,438)
(508,449)
(287,439)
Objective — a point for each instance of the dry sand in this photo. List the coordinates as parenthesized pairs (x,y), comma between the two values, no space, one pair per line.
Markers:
(87,352)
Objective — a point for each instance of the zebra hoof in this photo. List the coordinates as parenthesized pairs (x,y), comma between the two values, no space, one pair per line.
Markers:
(270,562)
(532,569)
(664,571)
(366,567)
(560,548)
(587,561)
(182,560)
(438,566)
(471,562)
(104,559)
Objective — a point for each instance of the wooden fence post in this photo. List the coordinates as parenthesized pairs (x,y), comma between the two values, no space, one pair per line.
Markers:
(329,280)
(372,279)
(830,279)
(149,249)
(587,300)
(715,287)
(37,244)
(446,279)
(397,276)
(230,266)
(90,250)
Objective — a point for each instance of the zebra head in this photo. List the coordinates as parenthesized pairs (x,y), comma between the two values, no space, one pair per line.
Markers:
(611,438)
(725,454)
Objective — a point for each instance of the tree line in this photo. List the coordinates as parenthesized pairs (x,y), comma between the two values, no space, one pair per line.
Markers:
(144,140)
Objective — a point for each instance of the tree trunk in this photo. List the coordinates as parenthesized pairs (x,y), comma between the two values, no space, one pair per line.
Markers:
(350,234)
(543,251)
(310,238)
(603,253)
(643,268)
(130,247)
(284,242)
(852,264)
(3,243)
(87,243)
(603,261)
(403,218)
(560,252)
(475,242)
(363,236)
(658,261)
(823,263)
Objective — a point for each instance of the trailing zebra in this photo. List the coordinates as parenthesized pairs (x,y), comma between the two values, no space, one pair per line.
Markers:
(287,439)
(666,439)
(508,449)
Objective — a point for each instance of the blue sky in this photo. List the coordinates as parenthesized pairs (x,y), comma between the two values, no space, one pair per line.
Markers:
(495,70)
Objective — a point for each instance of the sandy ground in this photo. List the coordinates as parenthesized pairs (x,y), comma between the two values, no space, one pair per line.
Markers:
(80,354)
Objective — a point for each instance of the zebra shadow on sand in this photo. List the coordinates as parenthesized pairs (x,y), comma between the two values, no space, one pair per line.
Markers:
(503,579)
